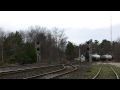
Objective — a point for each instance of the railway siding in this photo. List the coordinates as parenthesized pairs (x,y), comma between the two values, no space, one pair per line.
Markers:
(117,69)
(27,73)
(74,68)
(55,73)
(92,73)
(106,73)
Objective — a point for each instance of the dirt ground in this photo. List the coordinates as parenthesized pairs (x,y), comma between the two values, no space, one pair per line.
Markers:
(112,63)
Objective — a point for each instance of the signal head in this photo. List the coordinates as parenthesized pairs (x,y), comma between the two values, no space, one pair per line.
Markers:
(87,42)
(37,43)
(38,49)
(88,49)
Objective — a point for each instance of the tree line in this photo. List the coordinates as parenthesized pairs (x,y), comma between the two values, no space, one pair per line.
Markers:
(19,47)
(105,47)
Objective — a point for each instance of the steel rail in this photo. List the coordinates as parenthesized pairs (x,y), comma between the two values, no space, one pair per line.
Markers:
(56,71)
(24,70)
(75,68)
(36,76)
(100,71)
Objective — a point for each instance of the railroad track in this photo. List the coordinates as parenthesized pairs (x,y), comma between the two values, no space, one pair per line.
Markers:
(17,67)
(22,67)
(22,73)
(97,76)
(25,66)
(67,68)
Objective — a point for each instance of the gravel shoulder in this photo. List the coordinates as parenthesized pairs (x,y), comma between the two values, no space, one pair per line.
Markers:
(117,64)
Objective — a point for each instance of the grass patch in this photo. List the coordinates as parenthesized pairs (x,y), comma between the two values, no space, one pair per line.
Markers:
(93,72)
(89,71)
(80,73)
(106,72)
(117,69)
(4,64)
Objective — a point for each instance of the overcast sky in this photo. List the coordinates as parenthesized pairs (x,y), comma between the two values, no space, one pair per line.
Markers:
(79,26)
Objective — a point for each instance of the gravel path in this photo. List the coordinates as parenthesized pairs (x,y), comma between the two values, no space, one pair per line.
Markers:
(21,67)
(117,64)
(28,73)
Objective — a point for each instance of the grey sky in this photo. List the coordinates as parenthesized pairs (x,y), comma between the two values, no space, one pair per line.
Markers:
(79,26)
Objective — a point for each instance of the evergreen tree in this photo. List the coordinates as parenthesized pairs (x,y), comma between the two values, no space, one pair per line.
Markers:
(69,51)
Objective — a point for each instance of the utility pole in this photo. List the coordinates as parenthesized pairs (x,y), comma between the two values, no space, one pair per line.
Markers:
(40,53)
(111,26)
(1,42)
(2,49)
(79,54)
(90,51)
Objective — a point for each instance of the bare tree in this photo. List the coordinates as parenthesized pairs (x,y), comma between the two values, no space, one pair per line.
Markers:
(23,34)
(60,42)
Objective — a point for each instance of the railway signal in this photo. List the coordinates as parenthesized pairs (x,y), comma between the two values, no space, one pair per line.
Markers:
(37,45)
(89,49)
(38,49)
(79,53)
(87,42)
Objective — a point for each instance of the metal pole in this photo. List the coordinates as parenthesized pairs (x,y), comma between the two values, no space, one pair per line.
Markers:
(2,49)
(2,53)
(90,51)
(89,56)
(36,50)
(79,54)
(111,27)
(37,57)
(40,53)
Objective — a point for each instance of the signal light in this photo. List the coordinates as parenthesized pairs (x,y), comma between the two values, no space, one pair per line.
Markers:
(38,49)
(88,48)
(87,42)
(38,43)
